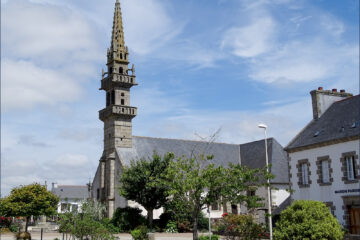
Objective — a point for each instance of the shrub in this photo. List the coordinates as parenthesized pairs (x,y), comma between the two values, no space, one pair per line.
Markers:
(240,227)
(127,218)
(171,227)
(306,219)
(206,237)
(14,228)
(140,233)
(109,225)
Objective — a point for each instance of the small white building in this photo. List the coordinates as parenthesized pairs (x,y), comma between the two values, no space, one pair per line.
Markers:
(324,156)
(71,196)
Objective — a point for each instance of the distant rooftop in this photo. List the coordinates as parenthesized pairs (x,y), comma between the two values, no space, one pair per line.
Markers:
(71,191)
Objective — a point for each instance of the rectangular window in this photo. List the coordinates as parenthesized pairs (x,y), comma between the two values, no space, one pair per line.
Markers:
(350,168)
(215,206)
(304,174)
(325,171)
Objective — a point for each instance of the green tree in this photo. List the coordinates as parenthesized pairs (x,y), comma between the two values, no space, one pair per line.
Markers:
(307,219)
(142,182)
(29,200)
(194,183)
(197,183)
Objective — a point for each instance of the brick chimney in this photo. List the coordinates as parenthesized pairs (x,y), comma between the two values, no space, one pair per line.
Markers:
(322,100)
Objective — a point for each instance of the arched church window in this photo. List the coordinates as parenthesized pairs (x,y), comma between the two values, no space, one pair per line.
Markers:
(121,70)
(122,102)
(120,55)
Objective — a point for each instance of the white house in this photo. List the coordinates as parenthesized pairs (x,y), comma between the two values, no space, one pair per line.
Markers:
(71,196)
(324,156)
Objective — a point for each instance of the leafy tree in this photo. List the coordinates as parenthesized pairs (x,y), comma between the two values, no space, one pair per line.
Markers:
(197,183)
(142,182)
(238,180)
(307,219)
(29,200)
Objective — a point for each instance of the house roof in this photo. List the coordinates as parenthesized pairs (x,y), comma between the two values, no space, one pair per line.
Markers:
(251,154)
(340,121)
(71,191)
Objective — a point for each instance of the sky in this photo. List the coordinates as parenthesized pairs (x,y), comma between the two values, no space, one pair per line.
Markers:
(201,66)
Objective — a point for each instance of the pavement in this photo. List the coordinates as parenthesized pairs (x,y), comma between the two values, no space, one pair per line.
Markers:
(122,236)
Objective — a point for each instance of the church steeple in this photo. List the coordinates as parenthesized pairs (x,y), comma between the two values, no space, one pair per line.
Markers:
(117,81)
(118,51)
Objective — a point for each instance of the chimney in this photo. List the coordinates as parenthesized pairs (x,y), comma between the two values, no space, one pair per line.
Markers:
(54,185)
(322,100)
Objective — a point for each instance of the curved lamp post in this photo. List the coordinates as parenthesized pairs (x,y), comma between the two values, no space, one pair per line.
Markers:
(263,126)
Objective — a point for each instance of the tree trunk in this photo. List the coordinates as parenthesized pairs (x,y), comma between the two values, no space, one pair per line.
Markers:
(195,223)
(150,216)
(27,223)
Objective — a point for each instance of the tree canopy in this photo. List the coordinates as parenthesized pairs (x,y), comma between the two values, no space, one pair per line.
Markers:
(29,200)
(143,181)
(197,182)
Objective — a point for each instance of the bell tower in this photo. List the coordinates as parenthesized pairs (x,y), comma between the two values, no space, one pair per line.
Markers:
(116,82)
(117,114)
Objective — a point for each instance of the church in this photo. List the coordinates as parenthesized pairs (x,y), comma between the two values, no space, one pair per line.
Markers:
(120,146)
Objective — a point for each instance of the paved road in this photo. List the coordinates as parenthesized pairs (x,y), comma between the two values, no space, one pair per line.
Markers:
(158,236)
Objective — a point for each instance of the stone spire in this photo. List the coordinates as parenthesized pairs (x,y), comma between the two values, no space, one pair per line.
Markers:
(118,51)
(118,112)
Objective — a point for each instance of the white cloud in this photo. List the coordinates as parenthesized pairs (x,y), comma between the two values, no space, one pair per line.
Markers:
(48,53)
(251,40)
(303,62)
(25,85)
(147,25)
(46,32)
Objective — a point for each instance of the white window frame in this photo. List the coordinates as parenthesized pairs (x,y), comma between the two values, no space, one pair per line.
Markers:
(350,167)
(304,174)
(325,171)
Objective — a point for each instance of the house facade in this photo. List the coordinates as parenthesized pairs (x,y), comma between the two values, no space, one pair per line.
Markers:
(324,156)
(121,147)
(71,197)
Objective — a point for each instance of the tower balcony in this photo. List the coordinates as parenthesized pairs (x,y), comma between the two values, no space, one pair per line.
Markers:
(118,80)
(116,110)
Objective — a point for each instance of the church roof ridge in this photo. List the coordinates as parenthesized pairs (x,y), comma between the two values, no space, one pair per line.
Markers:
(187,140)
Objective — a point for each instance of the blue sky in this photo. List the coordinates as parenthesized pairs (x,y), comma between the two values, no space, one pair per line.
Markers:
(201,66)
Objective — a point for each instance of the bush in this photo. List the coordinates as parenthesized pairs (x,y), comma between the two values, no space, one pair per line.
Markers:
(140,233)
(171,227)
(206,237)
(240,227)
(127,218)
(306,219)
(14,228)
(109,226)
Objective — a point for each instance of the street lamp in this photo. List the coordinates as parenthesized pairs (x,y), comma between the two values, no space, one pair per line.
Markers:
(268,180)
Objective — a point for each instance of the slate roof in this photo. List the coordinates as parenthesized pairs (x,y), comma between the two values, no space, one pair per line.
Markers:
(71,191)
(252,154)
(341,120)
